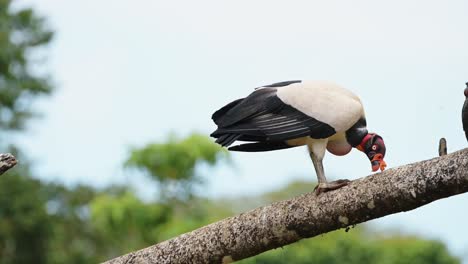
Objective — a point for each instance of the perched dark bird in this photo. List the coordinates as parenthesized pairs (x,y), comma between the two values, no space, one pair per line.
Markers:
(318,114)
(465,113)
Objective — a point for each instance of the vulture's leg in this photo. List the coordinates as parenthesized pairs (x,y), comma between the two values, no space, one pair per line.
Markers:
(317,151)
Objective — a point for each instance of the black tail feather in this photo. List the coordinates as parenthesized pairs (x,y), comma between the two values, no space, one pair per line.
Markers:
(227,139)
(261,146)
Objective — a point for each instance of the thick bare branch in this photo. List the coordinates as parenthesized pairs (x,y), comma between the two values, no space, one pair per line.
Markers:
(282,223)
(7,161)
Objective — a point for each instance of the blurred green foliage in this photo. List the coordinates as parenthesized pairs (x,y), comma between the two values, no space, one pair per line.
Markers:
(43,222)
(21,33)
(172,164)
(72,238)
(125,217)
(24,222)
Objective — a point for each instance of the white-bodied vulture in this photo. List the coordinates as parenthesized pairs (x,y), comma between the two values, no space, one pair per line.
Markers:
(319,114)
(465,112)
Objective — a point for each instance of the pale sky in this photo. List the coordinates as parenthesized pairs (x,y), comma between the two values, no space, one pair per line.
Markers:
(130,72)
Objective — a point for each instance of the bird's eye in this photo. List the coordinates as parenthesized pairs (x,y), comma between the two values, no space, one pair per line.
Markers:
(374,147)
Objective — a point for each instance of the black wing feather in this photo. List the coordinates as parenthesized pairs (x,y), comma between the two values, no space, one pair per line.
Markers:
(223,110)
(263,117)
(245,108)
(261,146)
(227,139)
(282,84)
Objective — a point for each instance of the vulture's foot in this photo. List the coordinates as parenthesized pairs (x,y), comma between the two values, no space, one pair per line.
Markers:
(330,186)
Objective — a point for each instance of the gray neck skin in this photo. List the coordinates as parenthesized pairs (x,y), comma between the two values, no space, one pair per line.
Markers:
(357,132)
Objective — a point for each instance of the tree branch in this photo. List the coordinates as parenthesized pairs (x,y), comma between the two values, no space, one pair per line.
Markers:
(442,147)
(7,161)
(285,222)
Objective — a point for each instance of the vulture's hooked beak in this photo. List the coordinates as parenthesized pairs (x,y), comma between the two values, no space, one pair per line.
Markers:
(378,163)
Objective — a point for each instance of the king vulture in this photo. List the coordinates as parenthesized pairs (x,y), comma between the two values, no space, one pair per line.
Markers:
(465,113)
(319,114)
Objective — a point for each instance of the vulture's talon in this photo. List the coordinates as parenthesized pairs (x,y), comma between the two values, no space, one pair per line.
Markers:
(330,186)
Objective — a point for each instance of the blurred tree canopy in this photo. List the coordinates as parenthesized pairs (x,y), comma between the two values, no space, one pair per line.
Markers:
(42,222)
(124,221)
(172,164)
(24,222)
(25,225)
(21,33)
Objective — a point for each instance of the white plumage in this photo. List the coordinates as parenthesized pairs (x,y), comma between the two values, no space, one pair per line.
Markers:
(325,101)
